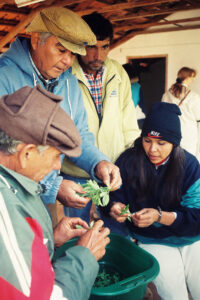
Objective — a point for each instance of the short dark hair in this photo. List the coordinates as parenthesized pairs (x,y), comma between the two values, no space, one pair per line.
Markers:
(131,70)
(101,26)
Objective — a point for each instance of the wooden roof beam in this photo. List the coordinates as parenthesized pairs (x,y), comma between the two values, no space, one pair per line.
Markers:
(121,6)
(133,34)
(12,9)
(8,22)
(177,28)
(153,13)
(83,5)
(151,24)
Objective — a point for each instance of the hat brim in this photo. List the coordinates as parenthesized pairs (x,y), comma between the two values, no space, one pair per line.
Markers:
(75,48)
(37,25)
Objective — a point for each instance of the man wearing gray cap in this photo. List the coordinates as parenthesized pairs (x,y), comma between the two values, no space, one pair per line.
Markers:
(57,34)
(28,151)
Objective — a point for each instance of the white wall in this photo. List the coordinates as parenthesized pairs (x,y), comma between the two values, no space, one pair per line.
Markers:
(181,47)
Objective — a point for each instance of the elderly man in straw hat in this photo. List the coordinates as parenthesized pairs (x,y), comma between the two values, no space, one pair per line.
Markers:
(28,151)
(57,35)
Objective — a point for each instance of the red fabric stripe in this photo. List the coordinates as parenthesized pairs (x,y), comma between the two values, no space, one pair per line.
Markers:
(154,136)
(41,271)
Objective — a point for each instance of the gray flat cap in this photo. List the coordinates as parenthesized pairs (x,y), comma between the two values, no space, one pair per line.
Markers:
(34,116)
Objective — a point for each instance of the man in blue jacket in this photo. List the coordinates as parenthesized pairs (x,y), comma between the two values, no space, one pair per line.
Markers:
(57,34)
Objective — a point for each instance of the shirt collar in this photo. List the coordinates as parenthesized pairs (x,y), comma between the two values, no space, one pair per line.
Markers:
(163,162)
(29,185)
(99,72)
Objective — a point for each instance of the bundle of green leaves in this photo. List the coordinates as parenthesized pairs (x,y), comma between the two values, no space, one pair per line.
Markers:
(126,210)
(98,194)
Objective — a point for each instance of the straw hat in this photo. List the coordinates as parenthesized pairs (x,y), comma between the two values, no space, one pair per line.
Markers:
(70,29)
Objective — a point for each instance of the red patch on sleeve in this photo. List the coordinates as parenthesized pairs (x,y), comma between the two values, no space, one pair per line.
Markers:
(42,274)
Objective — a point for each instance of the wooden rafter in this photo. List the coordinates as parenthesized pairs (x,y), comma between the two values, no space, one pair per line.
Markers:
(129,17)
(153,13)
(122,6)
(152,24)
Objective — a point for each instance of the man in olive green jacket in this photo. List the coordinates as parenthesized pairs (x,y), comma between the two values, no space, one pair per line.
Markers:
(106,92)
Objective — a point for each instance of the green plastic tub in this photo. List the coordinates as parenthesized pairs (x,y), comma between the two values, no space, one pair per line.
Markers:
(136,268)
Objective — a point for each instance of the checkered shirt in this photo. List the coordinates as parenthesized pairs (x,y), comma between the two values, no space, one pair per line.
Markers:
(95,87)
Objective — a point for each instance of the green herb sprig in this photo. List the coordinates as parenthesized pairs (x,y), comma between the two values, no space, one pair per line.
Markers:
(91,224)
(98,194)
(126,210)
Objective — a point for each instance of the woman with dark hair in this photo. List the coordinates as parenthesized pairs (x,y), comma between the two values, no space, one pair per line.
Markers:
(181,94)
(161,185)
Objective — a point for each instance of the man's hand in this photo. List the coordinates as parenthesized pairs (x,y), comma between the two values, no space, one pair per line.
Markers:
(109,174)
(95,239)
(66,230)
(68,196)
(115,212)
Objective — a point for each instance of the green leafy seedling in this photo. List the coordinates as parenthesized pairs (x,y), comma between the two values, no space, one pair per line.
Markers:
(77,226)
(91,224)
(126,210)
(98,194)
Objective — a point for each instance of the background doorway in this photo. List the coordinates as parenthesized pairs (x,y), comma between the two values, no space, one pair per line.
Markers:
(152,77)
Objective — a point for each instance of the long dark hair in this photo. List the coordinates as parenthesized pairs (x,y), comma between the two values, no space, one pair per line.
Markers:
(139,172)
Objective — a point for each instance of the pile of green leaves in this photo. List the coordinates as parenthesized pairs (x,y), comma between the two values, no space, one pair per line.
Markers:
(126,210)
(98,194)
(105,279)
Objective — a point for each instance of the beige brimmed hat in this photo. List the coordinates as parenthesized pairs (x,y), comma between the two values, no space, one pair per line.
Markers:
(34,116)
(70,29)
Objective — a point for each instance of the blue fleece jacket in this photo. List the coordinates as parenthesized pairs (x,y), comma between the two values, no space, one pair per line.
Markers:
(186,228)
(17,71)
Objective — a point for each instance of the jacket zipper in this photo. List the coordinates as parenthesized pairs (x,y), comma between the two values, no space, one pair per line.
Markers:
(100,117)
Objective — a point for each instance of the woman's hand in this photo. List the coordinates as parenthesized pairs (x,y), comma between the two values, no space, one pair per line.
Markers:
(145,217)
(115,212)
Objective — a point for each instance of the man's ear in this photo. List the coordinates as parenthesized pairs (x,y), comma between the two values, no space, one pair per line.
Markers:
(35,40)
(25,153)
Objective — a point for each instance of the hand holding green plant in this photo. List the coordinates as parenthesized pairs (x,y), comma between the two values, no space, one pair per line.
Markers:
(126,210)
(90,225)
(98,194)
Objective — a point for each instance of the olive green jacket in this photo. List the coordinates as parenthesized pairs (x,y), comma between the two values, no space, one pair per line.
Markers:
(118,126)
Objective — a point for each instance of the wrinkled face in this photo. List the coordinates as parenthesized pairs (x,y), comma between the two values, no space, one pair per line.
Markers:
(95,56)
(51,58)
(38,165)
(157,150)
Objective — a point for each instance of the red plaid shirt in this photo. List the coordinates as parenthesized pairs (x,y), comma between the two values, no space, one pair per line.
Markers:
(95,87)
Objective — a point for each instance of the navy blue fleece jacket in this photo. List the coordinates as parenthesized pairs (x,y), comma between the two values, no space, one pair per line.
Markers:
(186,228)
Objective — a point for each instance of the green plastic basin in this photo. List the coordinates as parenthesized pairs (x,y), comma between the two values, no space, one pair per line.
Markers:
(136,267)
